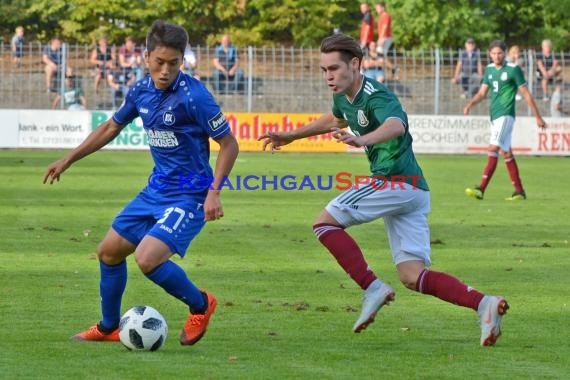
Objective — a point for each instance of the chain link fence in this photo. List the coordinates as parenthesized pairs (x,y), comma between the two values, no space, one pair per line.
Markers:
(276,79)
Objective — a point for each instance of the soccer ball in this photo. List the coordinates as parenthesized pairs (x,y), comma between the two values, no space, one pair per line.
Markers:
(143,328)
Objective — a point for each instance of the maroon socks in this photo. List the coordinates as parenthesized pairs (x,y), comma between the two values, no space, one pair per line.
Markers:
(448,288)
(514,174)
(346,252)
(492,160)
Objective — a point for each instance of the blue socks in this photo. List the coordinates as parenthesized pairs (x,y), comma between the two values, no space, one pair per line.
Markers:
(168,275)
(175,282)
(111,287)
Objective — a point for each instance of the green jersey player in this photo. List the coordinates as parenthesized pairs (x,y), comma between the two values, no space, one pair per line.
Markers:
(504,80)
(396,191)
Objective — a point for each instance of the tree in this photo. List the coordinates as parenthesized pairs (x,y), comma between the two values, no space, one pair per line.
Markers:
(517,22)
(557,23)
(434,23)
(416,23)
(289,22)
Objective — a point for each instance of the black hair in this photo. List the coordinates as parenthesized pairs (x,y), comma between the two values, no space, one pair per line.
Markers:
(162,33)
(498,43)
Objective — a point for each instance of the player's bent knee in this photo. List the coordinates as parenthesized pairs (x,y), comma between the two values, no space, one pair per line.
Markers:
(408,282)
(146,263)
(325,218)
(109,255)
(409,272)
(112,251)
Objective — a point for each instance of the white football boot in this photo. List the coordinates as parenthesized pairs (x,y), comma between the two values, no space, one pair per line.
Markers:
(377,295)
(491,310)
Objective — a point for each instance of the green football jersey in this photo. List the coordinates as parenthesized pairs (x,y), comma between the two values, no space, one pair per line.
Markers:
(503,84)
(373,105)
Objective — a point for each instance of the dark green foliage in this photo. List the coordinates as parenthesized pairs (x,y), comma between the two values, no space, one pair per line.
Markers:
(416,23)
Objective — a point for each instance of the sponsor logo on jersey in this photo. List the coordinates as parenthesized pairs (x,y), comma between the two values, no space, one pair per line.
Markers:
(362,120)
(143,110)
(167,229)
(504,76)
(217,121)
(168,118)
(162,139)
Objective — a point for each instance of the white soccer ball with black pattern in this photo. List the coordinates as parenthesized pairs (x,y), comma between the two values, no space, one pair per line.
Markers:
(143,328)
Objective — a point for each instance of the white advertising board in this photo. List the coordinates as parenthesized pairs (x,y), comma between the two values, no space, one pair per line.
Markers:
(52,129)
(432,133)
(132,137)
(470,134)
(9,131)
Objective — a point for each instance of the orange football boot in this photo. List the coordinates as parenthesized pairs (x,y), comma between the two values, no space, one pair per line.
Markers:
(196,325)
(96,335)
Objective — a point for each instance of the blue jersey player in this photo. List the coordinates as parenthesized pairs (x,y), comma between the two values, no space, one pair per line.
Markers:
(179,116)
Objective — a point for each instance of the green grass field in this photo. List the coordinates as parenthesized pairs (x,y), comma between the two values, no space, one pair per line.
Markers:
(285,307)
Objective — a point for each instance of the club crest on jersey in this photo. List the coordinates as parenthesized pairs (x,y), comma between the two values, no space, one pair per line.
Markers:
(504,76)
(168,118)
(362,120)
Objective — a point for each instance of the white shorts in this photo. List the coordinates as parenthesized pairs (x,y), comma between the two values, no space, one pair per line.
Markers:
(502,132)
(404,211)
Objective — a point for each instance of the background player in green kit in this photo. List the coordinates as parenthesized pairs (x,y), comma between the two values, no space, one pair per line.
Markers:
(380,125)
(504,79)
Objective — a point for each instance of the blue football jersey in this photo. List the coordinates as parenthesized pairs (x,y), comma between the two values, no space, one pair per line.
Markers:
(179,122)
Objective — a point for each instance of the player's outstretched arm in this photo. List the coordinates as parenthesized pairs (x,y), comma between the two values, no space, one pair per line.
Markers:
(95,141)
(227,155)
(389,130)
(530,101)
(323,124)
(480,95)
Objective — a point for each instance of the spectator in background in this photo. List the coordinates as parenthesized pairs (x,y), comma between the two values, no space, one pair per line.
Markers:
(130,57)
(52,58)
(469,70)
(190,63)
(103,57)
(119,81)
(73,96)
(17,46)
(556,99)
(366,26)
(227,74)
(373,64)
(548,67)
(516,58)
(385,40)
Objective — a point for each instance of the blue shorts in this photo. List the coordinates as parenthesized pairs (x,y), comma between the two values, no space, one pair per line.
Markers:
(174,221)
